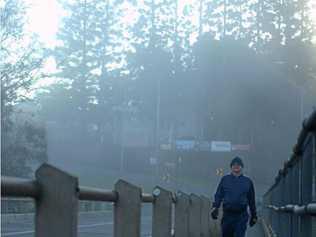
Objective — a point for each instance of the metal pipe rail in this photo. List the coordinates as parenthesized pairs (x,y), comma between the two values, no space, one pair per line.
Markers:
(17,187)
(309,125)
(96,194)
(147,198)
(309,209)
(57,195)
(290,203)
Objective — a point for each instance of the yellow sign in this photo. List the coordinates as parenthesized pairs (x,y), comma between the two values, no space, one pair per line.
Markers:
(219,172)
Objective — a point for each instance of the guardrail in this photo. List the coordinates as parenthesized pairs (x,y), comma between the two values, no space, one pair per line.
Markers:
(290,203)
(57,194)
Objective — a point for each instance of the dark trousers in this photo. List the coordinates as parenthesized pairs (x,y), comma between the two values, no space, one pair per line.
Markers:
(234,224)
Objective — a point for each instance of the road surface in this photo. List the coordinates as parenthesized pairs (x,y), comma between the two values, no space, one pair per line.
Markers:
(90,225)
(94,224)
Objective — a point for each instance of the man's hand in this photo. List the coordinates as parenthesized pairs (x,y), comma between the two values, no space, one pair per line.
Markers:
(253,221)
(214,213)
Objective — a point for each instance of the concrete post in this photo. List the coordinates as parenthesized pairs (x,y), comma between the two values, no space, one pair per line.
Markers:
(195,216)
(313,219)
(57,207)
(162,208)
(205,217)
(182,215)
(127,210)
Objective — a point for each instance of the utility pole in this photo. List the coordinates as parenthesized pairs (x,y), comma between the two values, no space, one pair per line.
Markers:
(122,145)
(158,128)
(301,92)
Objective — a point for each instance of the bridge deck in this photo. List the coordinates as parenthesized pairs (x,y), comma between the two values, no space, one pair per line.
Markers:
(255,231)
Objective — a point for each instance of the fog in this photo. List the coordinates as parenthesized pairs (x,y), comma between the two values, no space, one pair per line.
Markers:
(157,92)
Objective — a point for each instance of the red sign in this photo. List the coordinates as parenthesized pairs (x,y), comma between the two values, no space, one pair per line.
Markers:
(241,147)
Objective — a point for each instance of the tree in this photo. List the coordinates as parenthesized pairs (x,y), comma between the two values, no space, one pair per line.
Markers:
(151,64)
(22,140)
(23,143)
(75,57)
(91,60)
(20,61)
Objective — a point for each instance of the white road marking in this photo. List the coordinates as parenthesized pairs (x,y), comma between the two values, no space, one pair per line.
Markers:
(18,233)
(97,224)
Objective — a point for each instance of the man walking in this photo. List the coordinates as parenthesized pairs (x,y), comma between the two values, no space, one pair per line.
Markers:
(236,192)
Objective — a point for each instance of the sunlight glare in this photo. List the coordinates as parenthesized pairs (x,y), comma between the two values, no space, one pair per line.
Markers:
(44,19)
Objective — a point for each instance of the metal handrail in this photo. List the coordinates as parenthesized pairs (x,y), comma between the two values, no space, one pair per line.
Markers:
(148,198)
(308,209)
(16,187)
(96,194)
(292,180)
(309,125)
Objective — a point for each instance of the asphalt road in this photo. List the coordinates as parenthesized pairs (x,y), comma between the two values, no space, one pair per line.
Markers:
(90,225)
(255,231)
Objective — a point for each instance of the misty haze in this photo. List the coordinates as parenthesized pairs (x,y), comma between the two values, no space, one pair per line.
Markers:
(159,93)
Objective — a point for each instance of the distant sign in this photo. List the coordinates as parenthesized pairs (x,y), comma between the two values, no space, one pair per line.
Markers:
(219,172)
(153,161)
(170,164)
(241,147)
(205,146)
(165,147)
(185,144)
(213,146)
(221,146)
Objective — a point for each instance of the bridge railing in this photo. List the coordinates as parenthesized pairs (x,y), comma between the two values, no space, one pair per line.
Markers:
(290,203)
(57,194)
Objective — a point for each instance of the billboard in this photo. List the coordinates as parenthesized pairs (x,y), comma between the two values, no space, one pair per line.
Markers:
(213,146)
(185,144)
(221,146)
(241,147)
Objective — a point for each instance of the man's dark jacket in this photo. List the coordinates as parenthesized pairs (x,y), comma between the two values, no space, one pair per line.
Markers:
(236,193)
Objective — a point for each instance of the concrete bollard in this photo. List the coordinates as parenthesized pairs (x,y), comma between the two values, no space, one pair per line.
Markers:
(195,216)
(127,210)
(205,216)
(57,206)
(162,211)
(182,215)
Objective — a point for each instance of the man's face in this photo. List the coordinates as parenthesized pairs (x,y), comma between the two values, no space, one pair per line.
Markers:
(236,168)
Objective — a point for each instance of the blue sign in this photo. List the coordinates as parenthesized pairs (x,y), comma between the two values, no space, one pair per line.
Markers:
(185,144)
